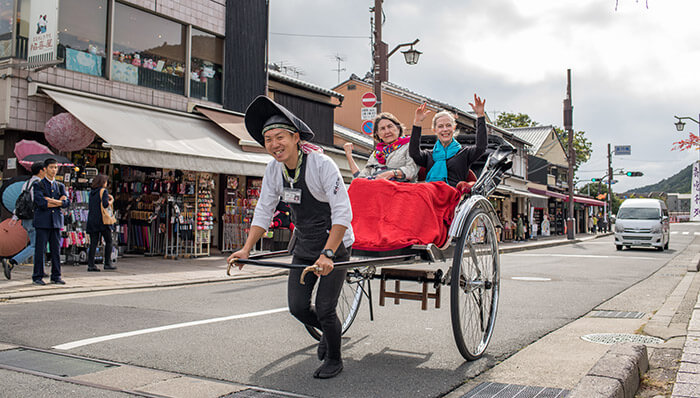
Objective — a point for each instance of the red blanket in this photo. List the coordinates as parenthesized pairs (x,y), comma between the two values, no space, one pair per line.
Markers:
(391,215)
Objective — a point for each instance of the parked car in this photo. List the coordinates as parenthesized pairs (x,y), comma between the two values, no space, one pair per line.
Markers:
(642,222)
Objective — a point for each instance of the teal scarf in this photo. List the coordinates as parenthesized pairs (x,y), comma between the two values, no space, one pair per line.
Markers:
(440,155)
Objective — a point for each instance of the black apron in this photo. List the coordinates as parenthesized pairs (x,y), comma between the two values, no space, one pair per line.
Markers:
(311,218)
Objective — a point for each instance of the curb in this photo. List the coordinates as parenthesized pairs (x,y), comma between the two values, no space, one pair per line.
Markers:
(617,374)
(546,244)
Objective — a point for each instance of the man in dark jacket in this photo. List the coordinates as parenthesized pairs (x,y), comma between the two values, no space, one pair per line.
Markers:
(49,197)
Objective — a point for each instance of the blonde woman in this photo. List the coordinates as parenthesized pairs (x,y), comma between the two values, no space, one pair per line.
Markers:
(448,161)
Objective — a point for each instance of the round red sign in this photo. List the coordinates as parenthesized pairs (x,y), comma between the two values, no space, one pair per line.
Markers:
(369,100)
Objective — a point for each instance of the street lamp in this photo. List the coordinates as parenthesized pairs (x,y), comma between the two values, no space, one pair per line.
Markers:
(680,125)
(381,56)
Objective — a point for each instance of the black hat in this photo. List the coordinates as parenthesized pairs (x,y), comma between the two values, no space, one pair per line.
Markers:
(262,109)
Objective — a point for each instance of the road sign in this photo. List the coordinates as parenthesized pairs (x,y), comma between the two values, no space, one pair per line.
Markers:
(369,99)
(614,181)
(623,149)
(369,113)
(367,127)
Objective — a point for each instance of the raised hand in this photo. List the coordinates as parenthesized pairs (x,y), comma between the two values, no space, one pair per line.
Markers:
(421,113)
(348,147)
(478,105)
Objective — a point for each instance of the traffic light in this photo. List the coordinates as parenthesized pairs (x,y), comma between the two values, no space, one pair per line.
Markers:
(634,174)
(596,179)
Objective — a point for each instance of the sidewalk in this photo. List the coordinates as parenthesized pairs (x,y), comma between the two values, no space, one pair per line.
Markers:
(138,272)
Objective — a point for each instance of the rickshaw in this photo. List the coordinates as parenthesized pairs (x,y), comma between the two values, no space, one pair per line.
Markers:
(471,250)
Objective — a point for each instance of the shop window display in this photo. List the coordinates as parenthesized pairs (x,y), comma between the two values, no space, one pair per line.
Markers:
(206,71)
(82,32)
(6,10)
(149,50)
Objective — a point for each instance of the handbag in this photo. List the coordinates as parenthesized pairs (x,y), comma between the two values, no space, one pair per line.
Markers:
(107,212)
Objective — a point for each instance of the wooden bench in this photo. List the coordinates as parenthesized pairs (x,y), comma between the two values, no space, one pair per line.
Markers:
(425,277)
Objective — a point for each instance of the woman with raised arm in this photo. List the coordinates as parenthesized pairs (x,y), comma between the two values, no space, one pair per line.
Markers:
(448,161)
(390,159)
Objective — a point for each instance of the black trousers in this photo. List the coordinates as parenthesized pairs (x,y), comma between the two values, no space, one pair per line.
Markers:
(322,315)
(50,235)
(95,241)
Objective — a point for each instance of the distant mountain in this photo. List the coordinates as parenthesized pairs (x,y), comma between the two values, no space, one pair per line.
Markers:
(679,183)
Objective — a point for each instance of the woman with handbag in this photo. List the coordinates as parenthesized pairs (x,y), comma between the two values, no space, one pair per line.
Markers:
(100,221)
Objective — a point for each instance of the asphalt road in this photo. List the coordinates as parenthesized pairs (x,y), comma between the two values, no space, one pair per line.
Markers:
(403,352)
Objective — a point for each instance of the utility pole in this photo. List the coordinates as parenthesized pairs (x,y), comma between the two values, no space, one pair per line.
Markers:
(380,55)
(610,177)
(569,127)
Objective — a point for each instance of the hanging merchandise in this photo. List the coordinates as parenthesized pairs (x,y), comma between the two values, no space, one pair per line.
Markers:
(205,216)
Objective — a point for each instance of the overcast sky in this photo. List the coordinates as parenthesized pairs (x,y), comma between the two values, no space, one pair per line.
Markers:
(632,69)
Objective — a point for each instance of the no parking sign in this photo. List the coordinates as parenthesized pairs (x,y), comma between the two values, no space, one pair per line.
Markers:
(367,127)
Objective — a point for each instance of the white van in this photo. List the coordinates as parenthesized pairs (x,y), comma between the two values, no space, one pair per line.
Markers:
(642,222)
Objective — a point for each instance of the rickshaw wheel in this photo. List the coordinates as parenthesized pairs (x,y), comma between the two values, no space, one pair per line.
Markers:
(348,302)
(474,285)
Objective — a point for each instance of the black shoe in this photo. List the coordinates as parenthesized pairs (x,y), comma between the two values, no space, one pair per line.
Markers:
(39,282)
(322,348)
(330,368)
(93,269)
(110,268)
(58,281)
(6,267)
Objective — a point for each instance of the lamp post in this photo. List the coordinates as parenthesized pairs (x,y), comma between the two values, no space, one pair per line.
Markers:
(569,127)
(381,55)
(695,181)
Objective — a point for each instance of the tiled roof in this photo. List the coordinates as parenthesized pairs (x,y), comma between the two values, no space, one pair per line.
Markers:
(534,135)
(300,83)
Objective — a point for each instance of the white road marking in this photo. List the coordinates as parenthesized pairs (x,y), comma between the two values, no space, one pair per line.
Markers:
(80,343)
(530,278)
(697,233)
(675,232)
(577,255)
(685,232)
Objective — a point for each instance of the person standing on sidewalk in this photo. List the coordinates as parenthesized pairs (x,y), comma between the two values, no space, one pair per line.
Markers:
(520,231)
(311,183)
(49,198)
(38,171)
(99,199)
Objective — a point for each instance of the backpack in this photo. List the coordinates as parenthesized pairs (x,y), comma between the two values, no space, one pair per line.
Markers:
(24,206)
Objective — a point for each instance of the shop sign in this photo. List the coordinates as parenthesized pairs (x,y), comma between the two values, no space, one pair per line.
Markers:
(695,193)
(43,31)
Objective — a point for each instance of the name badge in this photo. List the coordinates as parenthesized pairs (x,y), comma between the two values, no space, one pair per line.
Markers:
(291,195)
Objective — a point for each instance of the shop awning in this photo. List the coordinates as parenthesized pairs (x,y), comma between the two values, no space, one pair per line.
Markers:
(515,191)
(588,201)
(577,199)
(234,124)
(549,193)
(142,136)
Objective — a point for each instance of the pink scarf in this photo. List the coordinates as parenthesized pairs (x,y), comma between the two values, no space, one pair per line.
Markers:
(383,150)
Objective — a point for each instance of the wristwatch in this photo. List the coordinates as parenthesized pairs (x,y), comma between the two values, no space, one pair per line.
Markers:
(328,253)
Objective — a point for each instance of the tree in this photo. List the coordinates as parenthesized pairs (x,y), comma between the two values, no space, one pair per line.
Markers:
(582,147)
(599,190)
(510,120)
(692,141)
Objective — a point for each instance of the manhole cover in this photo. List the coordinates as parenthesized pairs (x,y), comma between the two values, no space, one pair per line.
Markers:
(617,314)
(500,390)
(613,338)
(53,364)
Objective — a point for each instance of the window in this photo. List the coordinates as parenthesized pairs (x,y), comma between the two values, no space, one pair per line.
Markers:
(82,33)
(206,71)
(6,10)
(148,50)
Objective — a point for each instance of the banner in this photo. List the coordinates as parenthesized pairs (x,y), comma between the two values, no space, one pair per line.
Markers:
(695,193)
(43,31)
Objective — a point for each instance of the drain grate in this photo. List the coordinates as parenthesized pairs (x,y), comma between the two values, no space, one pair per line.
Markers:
(488,390)
(49,363)
(613,338)
(617,314)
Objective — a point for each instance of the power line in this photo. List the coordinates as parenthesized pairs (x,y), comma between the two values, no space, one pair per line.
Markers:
(323,36)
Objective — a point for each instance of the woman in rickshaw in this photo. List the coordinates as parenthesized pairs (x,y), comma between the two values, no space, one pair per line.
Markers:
(448,161)
(311,184)
(390,159)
